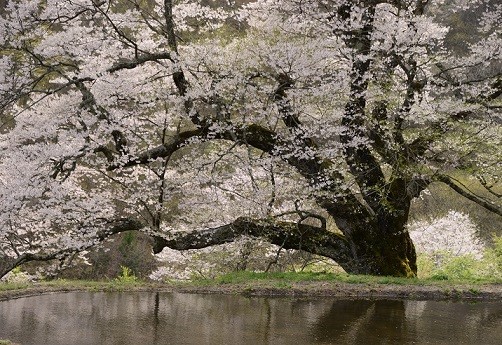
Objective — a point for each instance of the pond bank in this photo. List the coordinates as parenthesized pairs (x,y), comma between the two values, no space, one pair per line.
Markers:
(439,291)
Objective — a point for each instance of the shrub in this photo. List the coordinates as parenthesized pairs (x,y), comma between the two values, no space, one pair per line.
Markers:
(449,248)
(126,275)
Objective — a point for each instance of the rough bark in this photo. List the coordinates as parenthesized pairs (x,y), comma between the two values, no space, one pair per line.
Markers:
(289,235)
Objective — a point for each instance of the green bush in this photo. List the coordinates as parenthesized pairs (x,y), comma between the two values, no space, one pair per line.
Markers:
(446,266)
(126,275)
(462,267)
(492,259)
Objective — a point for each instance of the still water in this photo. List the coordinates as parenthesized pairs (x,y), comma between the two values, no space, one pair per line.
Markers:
(149,318)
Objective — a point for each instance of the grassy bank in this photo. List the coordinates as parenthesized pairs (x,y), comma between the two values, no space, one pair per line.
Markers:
(249,277)
(282,284)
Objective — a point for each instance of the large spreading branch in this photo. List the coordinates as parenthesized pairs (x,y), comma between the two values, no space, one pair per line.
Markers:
(289,235)
(314,169)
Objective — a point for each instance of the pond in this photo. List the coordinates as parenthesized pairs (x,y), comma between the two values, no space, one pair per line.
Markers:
(149,318)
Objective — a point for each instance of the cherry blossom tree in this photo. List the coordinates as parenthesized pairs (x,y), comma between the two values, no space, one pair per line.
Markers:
(454,234)
(311,124)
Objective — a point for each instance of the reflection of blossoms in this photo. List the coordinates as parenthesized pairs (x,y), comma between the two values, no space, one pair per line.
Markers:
(454,234)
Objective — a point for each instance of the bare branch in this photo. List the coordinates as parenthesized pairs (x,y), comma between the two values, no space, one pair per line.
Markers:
(470,195)
(130,64)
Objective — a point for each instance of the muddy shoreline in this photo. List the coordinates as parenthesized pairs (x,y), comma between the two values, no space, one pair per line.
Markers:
(319,289)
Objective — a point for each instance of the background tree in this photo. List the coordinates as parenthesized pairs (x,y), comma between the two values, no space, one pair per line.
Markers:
(274,119)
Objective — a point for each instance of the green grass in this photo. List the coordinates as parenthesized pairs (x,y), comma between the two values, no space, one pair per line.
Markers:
(5,342)
(111,285)
(245,276)
(13,286)
(250,280)
(293,277)
(88,285)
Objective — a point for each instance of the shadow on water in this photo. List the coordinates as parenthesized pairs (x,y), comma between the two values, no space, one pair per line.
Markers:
(171,318)
(360,321)
(409,322)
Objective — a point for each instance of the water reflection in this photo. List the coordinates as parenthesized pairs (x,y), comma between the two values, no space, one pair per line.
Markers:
(365,322)
(172,318)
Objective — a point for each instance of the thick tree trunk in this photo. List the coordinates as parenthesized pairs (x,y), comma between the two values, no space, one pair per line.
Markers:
(379,252)
(377,236)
